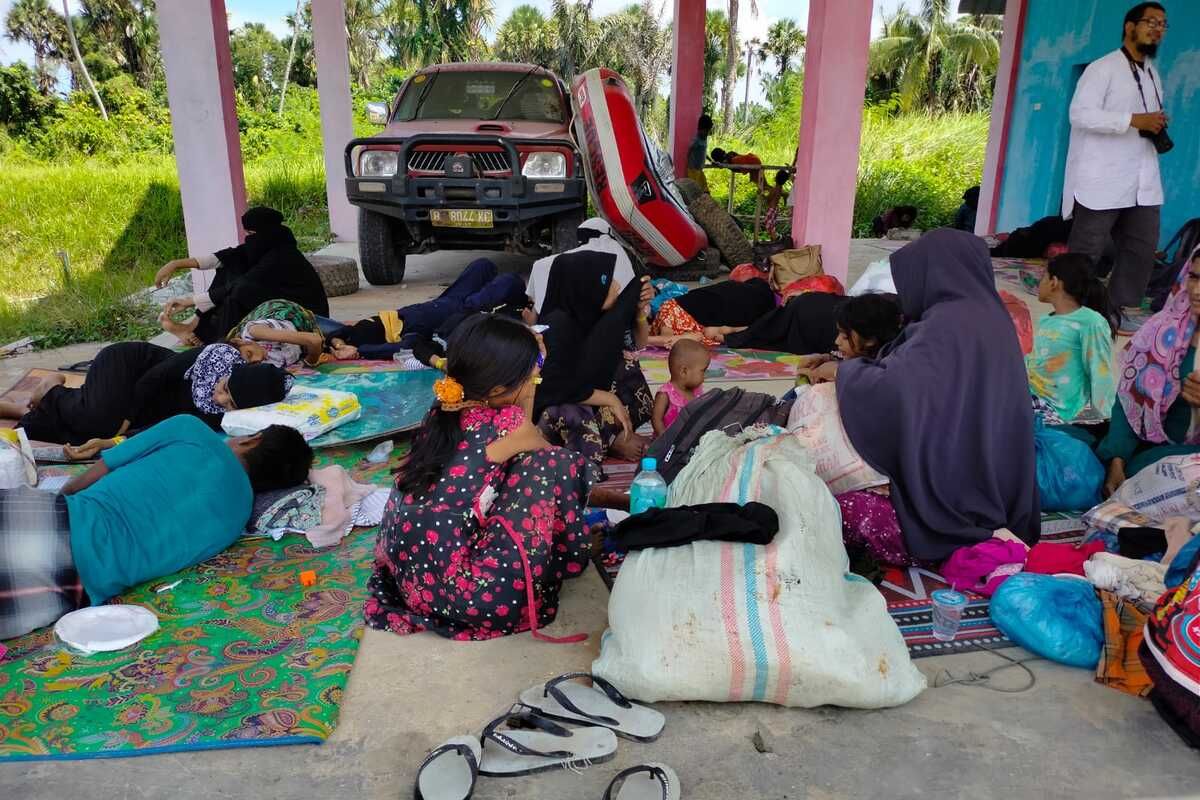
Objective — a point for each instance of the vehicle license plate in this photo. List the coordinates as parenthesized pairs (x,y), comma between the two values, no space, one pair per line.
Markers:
(461,218)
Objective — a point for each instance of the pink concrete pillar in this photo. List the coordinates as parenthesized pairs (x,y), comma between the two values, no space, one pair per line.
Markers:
(687,79)
(1002,101)
(208,152)
(835,81)
(333,86)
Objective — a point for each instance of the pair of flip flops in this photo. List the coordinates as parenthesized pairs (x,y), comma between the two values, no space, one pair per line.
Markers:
(530,739)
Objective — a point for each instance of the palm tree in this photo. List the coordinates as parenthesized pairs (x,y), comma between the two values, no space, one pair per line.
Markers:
(35,23)
(732,61)
(934,62)
(523,37)
(364,32)
(638,48)
(784,43)
(435,31)
(716,30)
(578,37)
(126,31)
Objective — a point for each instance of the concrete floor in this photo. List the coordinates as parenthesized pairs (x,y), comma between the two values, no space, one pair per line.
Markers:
(1066,737)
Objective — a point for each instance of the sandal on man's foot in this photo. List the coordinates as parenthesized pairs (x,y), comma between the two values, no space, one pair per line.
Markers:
(531,743)
(449,772)
(600,705)
(645,782)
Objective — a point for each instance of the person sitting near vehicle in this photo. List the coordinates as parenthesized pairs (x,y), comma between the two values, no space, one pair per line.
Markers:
(1159,388)
(696,151)
(480,287)
(134,385)
(486,519)
(1070,367)
(163,501)
(268,266)
(594,236)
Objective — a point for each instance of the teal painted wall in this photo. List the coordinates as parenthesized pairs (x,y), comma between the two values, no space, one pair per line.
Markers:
(1061,38)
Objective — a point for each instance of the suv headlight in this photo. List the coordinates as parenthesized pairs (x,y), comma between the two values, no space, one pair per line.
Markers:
(378,163)
(545,165)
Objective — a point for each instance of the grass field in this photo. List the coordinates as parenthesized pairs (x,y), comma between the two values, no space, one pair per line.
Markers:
(116,224)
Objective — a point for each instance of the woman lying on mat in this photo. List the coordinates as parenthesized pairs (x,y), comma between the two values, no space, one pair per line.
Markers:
(281,333)
(943,411)
(711,313)
(133,385)
(1159,391)
(478,288)
(163,501)
(594,396)
(486,519)
(1070,367)
(268,266)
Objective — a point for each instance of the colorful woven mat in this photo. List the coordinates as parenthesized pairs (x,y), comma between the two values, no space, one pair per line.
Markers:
(244,655)
(727,365)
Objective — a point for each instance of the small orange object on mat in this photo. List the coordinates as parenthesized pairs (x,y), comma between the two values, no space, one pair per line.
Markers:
(308,578)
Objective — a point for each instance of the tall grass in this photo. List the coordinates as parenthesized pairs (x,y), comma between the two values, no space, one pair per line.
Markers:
(117,224)
(911,159)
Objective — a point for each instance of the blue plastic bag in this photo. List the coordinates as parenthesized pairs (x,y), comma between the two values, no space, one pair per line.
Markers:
(665,290)
(1056,618)
(1069,475)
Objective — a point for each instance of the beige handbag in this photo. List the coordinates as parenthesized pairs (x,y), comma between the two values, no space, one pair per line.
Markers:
(792,265)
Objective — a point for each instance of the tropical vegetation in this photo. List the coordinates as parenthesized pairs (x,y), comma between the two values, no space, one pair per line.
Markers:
(86,174)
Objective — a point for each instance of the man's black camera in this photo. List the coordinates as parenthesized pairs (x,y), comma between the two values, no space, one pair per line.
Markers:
(1161,140)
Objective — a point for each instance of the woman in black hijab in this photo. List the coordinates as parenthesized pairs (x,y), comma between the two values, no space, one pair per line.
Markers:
(268,266)
(593,395)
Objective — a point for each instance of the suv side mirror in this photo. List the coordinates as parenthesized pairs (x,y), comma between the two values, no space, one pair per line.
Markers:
(377,113)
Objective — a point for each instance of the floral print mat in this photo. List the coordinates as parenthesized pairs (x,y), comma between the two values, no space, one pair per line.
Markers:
(244,655)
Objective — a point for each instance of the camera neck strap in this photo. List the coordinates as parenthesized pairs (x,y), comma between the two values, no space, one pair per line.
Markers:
(1136,69)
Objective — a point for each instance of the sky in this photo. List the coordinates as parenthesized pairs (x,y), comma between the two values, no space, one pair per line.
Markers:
(272,12)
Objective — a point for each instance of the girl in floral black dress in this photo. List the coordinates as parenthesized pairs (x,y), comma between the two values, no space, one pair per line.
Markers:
(486,519)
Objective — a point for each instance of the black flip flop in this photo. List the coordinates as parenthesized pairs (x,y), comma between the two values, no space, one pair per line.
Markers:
(531,743)
(645,782)
(450,771)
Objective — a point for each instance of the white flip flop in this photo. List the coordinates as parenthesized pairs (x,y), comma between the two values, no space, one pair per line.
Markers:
(531,743)
(600,704)
(651,781)
(449,771)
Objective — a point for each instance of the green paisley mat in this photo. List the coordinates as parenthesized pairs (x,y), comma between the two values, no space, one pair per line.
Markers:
(244,656)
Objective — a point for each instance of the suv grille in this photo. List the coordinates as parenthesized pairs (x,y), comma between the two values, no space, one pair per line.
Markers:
(435,160)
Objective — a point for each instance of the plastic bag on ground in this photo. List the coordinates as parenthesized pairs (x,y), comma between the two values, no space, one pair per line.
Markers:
(1069,475)
(728,622)
(1056,618)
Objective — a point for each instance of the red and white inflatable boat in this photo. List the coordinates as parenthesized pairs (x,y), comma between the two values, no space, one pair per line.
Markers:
(630,180)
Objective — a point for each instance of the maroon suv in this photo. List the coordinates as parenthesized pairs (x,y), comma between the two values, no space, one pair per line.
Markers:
(473,156)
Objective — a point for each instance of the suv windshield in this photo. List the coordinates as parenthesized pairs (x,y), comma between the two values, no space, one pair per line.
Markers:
(481,95)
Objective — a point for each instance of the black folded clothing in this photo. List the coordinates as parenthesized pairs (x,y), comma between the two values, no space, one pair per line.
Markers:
(753,523)
(1137,543)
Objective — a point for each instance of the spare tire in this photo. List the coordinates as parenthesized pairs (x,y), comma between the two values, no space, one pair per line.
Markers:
(338,275)
(722,230)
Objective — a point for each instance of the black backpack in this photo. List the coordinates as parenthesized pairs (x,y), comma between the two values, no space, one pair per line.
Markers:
(1175,257)
(729,410)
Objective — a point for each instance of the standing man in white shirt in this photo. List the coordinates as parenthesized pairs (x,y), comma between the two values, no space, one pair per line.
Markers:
(1118,128)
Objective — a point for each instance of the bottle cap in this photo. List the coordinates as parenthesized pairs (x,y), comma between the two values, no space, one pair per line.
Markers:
(650,464)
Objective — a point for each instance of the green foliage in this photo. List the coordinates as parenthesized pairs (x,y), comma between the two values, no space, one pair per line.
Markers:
(117,224)
(22,106)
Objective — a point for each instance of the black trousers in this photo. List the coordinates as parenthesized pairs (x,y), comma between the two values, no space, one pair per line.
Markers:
(1134,231)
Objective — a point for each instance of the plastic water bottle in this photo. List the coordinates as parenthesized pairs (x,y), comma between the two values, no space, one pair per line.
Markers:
(649,490)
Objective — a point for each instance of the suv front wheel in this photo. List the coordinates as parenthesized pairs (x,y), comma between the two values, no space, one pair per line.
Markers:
(382,241)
